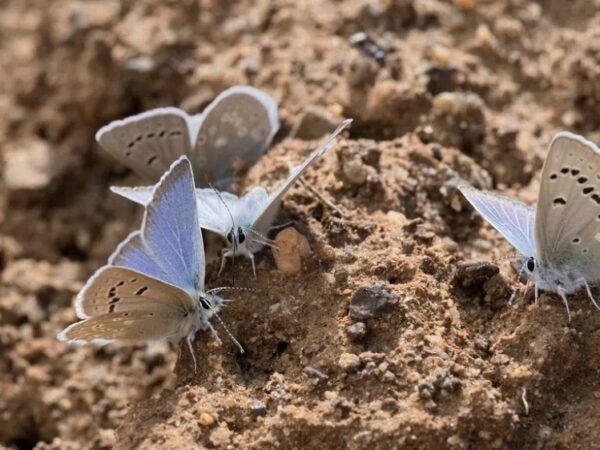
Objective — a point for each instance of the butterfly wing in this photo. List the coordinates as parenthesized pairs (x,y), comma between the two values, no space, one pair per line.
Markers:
(216,211)
(567,227)
(120,289)
(149,142)
(139,194)
(265,216)
(513,219)
(239,123)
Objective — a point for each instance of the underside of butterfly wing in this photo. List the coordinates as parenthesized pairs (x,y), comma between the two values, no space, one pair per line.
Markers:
(148,142)
(238,124)
(512,219)
(119,289)
(568,216)
(265,217)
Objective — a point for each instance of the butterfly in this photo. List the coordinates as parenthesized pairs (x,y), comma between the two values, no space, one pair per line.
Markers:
(560,238)
(243,221)
(153,285)
(238,124)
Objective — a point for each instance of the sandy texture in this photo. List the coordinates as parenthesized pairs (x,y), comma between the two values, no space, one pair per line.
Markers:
(397,333)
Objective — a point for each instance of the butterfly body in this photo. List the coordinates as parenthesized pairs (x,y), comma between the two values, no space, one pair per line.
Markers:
(560,237)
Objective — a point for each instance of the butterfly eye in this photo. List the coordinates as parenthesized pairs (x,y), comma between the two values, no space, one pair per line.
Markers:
(230,237)
(204,303)
(531,264)
(241,236)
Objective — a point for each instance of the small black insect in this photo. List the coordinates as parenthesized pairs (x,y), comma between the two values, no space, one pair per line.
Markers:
(368,46)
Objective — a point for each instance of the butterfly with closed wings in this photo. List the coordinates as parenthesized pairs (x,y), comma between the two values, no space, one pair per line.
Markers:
(238,125)
(243,221)
(153,285)
(560,238)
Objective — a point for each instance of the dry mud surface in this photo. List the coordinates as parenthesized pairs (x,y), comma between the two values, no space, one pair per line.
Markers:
(397,334)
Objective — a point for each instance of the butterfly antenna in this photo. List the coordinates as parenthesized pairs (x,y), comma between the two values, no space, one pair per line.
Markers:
(207,181)
(510,256)
(231,288)
(235,341)
(263,240)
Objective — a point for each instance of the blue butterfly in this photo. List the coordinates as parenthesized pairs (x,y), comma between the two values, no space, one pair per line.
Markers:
(153,285)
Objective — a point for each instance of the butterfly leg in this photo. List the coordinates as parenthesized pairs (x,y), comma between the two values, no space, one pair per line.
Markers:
(253,266)
(214,333)
(564,299)
(512,296)
(537,294)
(526,288)
(190,339)
(589,293)
(226,253)
(514,293)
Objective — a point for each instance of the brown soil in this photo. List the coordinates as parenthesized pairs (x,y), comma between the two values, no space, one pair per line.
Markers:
(397,334)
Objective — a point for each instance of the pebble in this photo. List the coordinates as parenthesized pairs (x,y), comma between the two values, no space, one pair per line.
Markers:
(315,373)
(349,362)
(313,124)
(258,408)
(368,301)
(355,171)
(291,248)
(221,436)
(356,331)
(206,420)
(31,166)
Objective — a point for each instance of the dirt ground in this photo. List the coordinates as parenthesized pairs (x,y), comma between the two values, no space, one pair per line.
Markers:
(397,334)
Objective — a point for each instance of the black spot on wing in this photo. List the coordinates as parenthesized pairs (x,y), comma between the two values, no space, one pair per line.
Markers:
(141,290)
(559,201)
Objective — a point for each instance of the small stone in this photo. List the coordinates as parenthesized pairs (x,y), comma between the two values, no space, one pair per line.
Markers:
(389,377)
(314,373)
(291,248)
(258,408)
(355,171)
(349,362)
(466,4)
(30,166)
(206,420)
(390,405)
(140,64)
(221,436)
(313,124)
(474,274)
(356,331)
(250,66)
(106,438)
(368,301)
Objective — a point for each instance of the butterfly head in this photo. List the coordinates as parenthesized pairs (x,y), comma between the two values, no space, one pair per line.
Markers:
(236,236)
(209,305)
(553,277)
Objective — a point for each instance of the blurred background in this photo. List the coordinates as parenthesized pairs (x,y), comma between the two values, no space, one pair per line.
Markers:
(438,90)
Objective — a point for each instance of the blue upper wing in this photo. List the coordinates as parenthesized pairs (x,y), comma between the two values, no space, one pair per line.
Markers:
(513,219)
(169,246)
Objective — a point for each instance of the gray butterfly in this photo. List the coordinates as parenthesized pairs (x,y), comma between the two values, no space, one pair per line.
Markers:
(244,221)
(153,285)
(561,237)
(238,124)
